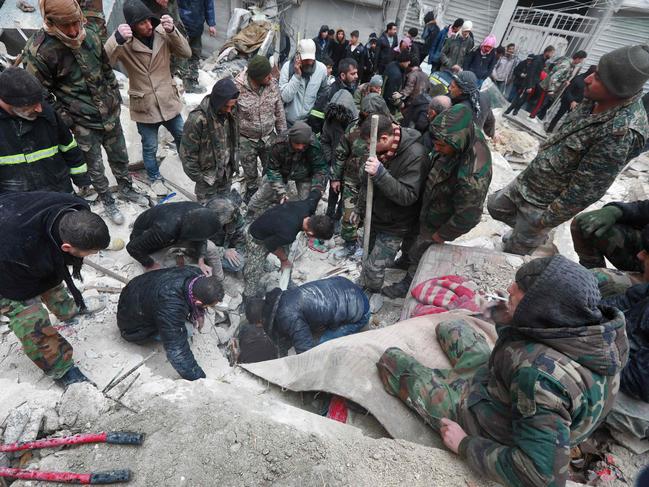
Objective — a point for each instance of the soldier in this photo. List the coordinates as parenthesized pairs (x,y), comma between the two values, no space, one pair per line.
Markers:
(397,172)
(230,240)
(455,189)
(94,13)
(261,118)
(195,14)
(295,156)
(37,150)
(44,233)
(210,143)
(577,164)
(515,412)
(68,59)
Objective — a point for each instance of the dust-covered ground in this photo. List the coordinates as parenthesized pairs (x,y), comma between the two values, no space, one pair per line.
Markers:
(231,428)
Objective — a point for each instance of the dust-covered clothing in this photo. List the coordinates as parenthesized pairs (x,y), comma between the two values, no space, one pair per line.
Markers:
(558,75)
(261,111)
(383,249)
(351,154)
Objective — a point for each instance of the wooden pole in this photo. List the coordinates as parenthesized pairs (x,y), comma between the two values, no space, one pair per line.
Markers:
(105,271)
(370,190)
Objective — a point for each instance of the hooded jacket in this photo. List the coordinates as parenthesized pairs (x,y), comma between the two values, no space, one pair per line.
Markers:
(316,306)
(552,378)
(157,303)
(31,259)
(165,225)
(457,186)
(339,115)
(416,113)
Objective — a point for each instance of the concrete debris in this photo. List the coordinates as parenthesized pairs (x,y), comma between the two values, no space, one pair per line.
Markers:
(23,424)
(94,405)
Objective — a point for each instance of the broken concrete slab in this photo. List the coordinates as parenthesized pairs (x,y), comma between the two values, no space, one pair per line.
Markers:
(94,405)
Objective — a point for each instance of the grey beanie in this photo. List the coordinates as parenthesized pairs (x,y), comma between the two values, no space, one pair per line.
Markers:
(625,70)
(374,103)
(300,133)
(376,80)
(20,88)
(529,272)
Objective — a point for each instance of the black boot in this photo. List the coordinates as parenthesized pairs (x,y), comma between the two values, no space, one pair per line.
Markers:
(72,376)
(399,289)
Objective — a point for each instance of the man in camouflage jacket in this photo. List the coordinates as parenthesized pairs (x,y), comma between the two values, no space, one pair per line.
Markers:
(577,164)
(70,62)
(210,143)
(515,412)
(455,189)
(295,156)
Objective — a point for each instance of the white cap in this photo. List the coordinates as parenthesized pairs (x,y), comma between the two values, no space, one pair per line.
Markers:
(306,49)
(467,25)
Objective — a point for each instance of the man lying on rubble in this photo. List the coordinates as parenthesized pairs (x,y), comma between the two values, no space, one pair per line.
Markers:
(42,234)
(274,231)
(184,224)
(581,159)
(336,307)
(614,233)
(515,412)
(156,305)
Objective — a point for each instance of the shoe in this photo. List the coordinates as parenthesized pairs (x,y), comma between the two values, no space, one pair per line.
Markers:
(398,289)
(159,188)
(508,111)
(400,263)
(72,376)
(127,193)
(93,305)
(515,112)
(112,212)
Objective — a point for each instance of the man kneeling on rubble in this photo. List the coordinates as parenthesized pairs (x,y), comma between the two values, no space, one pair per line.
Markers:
(515,412)
(156,305)
(335,306)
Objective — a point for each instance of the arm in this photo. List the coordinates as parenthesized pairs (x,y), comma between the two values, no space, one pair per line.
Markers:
(489,127)
(635,213)
(630,298)
(174,339)
(274,175)
(468,201)
(468,60)
(341,154)
(540,450)
(302,337)
(288,87)
(634,379)
(280,115)
(319,167)
(146,243)
(178,44)
(209,13)
(443,57)
(190,146)
(405,190)
(114,49)
(410,85)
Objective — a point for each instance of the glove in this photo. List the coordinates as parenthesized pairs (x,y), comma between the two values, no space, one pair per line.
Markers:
(600,221)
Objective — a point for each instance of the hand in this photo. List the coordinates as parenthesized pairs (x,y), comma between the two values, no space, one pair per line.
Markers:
(207,270)
(335,186)
(167,23)
(573,105)
(372,166)
(600,221)
(497,310)
(152,267)
(162,3)
(529,90)
(232,256)
(283,199)
(396,96)
(212,31)
(125,31)
(437,239)
(452,434)
(297,66)
(285,264)
(354,218)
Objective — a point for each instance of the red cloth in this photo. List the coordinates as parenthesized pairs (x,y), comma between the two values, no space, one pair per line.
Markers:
(445,293)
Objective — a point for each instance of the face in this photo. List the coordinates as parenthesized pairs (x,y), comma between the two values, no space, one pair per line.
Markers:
(340,36)
(351,76)
(577,61)
(548,55)
(144,28)
(375,89)
(515,297)
(454,90)
(595,89)
(354,40)
(330,69)
(29,112)
(308,62)
(487,49)
(229,105)
(265,81)
(77,252)
(323,35)
(392,31)
(455,29)
(444,148)
(510,51)
(431,114)
(643,257)
(466,33)
(71,30)
(298,147)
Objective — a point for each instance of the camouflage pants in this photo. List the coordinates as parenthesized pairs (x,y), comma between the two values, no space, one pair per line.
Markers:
(253,269)
(249,150)
(348,231)
(190,73)
(204,192)
(383,249)
(30,322)
(508,206)
(265,197)
(436,393)
(620,245)
(612,282)
(90,142)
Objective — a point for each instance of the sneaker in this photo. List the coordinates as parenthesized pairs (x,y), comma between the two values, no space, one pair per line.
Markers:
(112,212)
(398,289)
(159,188)
(127,193)
(72,376)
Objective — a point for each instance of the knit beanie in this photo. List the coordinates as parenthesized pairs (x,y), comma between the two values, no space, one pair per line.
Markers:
(61,12)
(467,25)
(300,133)
(528,273)
(458,23)
(625,70)
(19,88)
(376,80)
(259,68)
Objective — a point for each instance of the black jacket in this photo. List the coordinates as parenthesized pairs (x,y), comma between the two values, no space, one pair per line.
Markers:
(520,74)
(31,259)
(164,225)
(321,50)
(360,56)
(393,80)
(157,303)
(316,306)
(534,71)
(416,114)
(575,90)
(385,52)
(337,52)
(480,64)
(317,113)
(39,155)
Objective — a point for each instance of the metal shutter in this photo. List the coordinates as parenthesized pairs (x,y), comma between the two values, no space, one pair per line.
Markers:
(482,13)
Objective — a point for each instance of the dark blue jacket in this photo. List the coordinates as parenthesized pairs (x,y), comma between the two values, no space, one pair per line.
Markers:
(318,305)
(194,13)
(480,64)
(436,47)
(156,303)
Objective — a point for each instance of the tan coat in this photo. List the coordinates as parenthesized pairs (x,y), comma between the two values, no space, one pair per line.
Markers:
(153,93)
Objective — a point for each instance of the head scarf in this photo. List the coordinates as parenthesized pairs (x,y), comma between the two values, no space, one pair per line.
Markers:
(455,127)
(468,83)
(61,12)
(490,41)
(197,313)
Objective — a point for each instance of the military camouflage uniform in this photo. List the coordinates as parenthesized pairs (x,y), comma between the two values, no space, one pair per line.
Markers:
(30,322)
(255,268)
(94,12)
(308,169)
(612,282)
(620,245)
(351,154)
(87,98)
(209,150)
(573,169)
(233,235)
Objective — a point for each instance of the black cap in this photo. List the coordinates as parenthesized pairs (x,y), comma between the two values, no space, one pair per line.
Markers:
(19,88)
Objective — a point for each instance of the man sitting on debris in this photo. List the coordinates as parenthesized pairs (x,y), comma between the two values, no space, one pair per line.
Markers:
(398,171)
(455,189)
(42,234)
(276,229)
(230,239)
(515,412)
(336,307)
(68,58)
(157,304)
(208,150)
(581,159)
(295,156)
(261,119)
(184,224)
(37,150)
(144,45)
